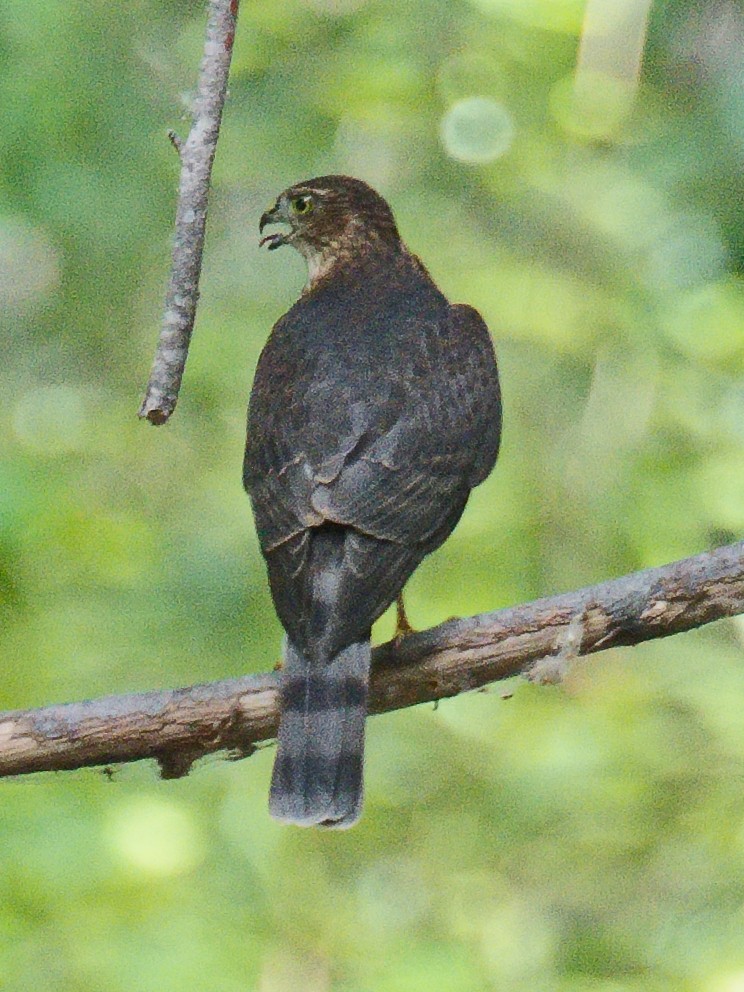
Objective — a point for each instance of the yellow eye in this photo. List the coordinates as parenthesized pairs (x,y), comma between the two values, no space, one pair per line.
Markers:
(302,204)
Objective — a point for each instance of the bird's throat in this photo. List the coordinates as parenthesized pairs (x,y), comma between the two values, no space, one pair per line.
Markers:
(320,263)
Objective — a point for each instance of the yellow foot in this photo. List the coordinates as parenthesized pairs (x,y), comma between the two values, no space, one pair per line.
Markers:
(402,626)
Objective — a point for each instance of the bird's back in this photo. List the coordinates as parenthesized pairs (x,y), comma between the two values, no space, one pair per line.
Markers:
(358,356)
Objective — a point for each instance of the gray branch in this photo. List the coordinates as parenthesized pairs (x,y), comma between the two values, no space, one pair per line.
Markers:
(196,154)
(536,639)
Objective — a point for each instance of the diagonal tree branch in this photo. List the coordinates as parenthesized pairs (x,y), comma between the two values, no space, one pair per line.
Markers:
(196,154)
(178,726)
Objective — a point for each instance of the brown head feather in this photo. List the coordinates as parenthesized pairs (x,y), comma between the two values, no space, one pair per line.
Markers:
(345,219)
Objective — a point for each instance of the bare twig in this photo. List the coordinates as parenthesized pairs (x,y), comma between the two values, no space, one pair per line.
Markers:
(197,155)
(175,140)
(178,726)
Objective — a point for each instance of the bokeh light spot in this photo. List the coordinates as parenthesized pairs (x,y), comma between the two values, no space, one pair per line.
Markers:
(156,837)
(707,324)
(477,130)
(28,265)
(564,16)
(50,419)
(727,983)
(592,107)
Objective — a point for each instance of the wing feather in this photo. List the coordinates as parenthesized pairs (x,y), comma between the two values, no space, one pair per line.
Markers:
(385,436)
(394,472)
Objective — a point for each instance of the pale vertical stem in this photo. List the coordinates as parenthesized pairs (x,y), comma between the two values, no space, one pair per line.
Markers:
(197,155)
(612,42)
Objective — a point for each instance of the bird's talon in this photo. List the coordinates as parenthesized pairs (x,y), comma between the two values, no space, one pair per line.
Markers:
(402,625)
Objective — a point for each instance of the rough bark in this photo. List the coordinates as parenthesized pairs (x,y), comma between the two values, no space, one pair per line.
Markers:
(537,639)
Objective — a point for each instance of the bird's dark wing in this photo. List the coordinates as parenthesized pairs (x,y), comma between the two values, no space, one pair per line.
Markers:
(409,483)
(388,451)
(383,453)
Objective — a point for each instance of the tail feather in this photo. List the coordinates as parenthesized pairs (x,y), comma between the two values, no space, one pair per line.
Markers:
(317,778)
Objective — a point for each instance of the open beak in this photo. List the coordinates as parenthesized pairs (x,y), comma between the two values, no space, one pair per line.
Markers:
(273,216)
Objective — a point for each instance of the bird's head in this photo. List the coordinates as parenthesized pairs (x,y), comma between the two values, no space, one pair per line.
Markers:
(330,219)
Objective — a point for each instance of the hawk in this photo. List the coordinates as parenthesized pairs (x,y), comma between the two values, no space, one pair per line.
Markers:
(375,410)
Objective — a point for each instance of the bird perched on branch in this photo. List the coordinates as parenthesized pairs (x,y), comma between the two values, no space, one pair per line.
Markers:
(375,410)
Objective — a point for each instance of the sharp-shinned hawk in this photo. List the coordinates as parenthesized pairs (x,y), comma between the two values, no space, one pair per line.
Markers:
(375,410)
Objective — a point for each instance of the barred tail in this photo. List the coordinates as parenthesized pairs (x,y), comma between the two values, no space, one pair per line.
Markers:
(317,778)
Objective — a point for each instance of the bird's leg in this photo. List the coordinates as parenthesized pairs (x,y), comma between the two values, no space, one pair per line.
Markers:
(402,626)
(280,664)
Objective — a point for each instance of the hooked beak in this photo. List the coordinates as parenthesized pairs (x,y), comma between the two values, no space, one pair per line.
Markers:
(273,216)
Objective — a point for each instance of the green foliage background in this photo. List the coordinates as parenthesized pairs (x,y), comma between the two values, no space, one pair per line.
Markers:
(587,839)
